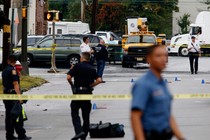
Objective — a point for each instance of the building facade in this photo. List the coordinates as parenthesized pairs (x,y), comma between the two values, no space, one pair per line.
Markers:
(36,23)
(192,7)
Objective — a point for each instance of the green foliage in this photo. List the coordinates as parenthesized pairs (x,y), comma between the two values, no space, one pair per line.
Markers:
(184,23)
(158,12)
(206,2)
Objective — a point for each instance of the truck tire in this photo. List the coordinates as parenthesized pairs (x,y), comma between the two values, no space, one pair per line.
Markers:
(183,51)
(73,59)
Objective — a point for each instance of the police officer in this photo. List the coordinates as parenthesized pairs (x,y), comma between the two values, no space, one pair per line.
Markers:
(151,116)
(85,78)
(11,84)
(101,55)
(194,53)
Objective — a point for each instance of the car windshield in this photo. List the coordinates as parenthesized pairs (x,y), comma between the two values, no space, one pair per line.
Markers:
(141,39)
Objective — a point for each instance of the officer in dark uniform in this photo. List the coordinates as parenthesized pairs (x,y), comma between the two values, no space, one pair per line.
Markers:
(101,55)
(151,115)
(85,78)
(11,84)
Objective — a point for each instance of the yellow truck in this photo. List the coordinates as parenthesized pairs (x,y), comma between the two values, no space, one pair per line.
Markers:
(138,40)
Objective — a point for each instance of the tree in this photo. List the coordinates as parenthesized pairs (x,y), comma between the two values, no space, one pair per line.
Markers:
(184,23)
(206,2)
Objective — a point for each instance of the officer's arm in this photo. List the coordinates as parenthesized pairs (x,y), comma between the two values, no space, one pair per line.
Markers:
(97,82)
(17,87)
(137,124)
(175,129)
(69,79)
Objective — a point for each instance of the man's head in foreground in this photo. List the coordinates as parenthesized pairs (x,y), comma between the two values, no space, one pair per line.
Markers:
(157,57)
(85,57)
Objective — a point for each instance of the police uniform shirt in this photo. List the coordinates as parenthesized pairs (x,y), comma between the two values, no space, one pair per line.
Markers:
(152,97)
(84,74)
(9,75)
(195,46)
(85,48)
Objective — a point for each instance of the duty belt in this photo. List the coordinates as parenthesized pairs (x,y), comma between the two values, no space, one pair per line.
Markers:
(83,88)
(9,90)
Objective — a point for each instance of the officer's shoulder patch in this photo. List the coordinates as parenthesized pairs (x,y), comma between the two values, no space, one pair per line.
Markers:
(14,72)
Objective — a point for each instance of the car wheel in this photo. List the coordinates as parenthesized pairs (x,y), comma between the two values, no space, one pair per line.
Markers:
(73,60)
(29,60)
(183,51)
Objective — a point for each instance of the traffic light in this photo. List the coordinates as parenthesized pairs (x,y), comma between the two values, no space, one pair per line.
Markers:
(58,16)
(49,16)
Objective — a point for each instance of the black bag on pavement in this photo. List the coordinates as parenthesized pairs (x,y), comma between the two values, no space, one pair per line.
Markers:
(16,110)
(106,130)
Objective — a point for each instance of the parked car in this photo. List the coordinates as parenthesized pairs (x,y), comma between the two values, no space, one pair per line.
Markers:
(94,40)
(31,41)
(67,50)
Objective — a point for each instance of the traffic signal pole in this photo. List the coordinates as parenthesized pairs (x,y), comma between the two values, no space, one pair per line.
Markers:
(53,68)
(6,34)
(24,62)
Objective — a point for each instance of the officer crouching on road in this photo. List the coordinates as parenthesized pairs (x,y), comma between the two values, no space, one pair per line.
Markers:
(85,78)
(11,84)
(151,116)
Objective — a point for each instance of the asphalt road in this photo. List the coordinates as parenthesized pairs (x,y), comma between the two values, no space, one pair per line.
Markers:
(50,120)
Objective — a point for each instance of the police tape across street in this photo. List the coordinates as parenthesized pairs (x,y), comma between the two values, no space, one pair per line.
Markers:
(90,97)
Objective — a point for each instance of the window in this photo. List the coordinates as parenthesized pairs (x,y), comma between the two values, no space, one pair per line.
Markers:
(62,42)
(102,34)
(46,44)
(59,31)
(196,30)
(50,30)
(141,39)
(31,41)
(95,40)
(75,43)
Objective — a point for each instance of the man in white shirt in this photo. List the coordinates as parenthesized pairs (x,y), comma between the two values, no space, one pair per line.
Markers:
(85,46)
(194,53)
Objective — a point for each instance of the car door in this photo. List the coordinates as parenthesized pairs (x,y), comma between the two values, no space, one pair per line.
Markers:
(43,50)
(62,49)
(75,46)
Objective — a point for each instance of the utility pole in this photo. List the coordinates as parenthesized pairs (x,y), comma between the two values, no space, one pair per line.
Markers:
(83,10)
(6,34)
(24,62)
(94,12)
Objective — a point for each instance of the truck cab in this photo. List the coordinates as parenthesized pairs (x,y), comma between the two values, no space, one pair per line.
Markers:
(135,48)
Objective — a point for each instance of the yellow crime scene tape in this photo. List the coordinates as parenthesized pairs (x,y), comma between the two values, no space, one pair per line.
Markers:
(90,97)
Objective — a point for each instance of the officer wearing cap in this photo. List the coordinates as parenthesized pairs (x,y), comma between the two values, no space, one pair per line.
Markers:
(194,53)
(151,116)
(85,78)
(11,84)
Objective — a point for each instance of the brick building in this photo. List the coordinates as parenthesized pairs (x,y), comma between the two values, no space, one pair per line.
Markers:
(36,23)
